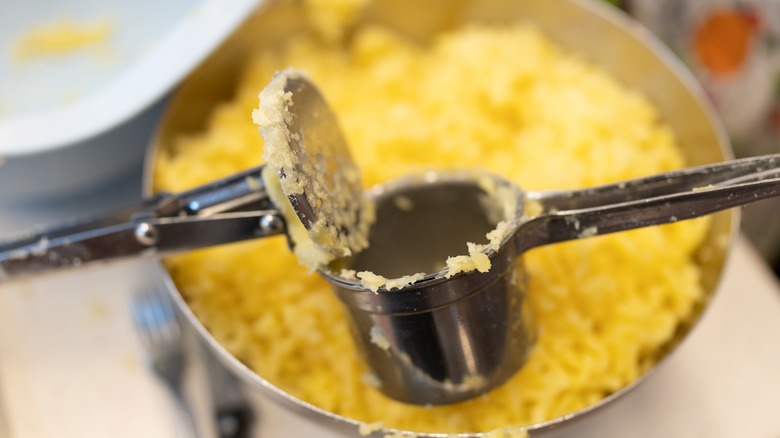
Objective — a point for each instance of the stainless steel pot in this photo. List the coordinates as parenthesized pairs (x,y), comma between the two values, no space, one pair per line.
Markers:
(589,28)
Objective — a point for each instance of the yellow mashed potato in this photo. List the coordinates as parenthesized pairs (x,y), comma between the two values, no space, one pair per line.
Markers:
(544,119)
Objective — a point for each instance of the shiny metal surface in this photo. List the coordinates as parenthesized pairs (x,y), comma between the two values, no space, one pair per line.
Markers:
(593,30)
(229,210)
(160,332)
(321,164)
(654,200)
(231,410)
(446,339)
(440,340)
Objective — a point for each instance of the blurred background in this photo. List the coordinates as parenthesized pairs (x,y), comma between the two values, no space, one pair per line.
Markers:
(733,49)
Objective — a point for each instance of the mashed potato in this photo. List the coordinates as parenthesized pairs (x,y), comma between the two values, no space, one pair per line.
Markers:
(502,99)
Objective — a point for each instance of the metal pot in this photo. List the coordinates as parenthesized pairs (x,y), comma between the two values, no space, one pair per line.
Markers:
(589,28)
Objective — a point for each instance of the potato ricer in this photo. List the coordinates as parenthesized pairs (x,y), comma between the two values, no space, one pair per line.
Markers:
(444,336)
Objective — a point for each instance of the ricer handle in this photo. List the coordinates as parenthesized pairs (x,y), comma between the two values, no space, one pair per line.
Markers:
(655,200)
(229,210)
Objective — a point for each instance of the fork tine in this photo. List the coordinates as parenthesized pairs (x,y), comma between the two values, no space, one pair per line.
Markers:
(156,319)
(144,320)
(161,334)
(140,317)
(162,320)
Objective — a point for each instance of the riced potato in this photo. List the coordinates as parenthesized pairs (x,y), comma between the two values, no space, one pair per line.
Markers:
(546,120)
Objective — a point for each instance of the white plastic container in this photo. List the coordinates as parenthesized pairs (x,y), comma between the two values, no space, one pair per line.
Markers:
(71,122)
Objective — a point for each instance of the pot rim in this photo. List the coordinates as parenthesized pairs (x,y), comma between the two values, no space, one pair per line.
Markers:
(350,426)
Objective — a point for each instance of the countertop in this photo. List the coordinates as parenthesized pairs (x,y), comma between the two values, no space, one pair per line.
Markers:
(71,365)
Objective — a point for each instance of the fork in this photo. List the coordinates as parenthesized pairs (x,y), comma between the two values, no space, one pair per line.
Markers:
(161,334)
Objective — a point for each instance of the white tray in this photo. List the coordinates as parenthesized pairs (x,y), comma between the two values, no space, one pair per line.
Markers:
(45,130)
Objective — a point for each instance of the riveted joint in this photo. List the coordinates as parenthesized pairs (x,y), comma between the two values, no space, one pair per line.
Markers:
(146,234)
(271,224)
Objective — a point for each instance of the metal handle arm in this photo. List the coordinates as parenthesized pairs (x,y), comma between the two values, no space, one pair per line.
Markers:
(242,191)
(677,181)
(151,237)
(575,224)
(228,210)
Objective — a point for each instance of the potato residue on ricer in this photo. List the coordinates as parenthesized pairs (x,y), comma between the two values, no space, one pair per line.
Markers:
(604,306)
(477,259)
(342,223)
(318,245)
(500,204)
